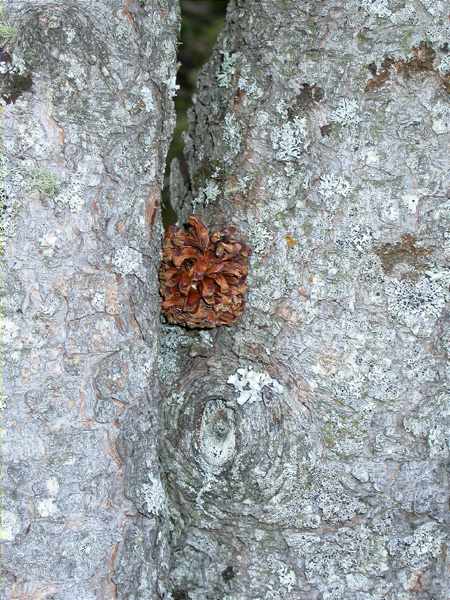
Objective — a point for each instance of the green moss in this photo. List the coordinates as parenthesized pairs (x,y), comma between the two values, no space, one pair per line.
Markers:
(7,32)
(329,434)
(341,430)
(362,38)
(406,42)
(44,181)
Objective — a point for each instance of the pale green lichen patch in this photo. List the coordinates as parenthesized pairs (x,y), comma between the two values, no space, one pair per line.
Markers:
(418,303)
(226,69)
(70,195)
(9,526)
(345,435)
(347,112)
(128,261)
(7,31)
(44,182)
(207,194)
(289,140)
(332,188)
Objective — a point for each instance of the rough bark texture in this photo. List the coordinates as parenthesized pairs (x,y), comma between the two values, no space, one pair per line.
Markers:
(306,449)
(85,151)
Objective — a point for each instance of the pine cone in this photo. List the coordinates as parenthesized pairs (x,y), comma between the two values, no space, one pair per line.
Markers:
(203,276)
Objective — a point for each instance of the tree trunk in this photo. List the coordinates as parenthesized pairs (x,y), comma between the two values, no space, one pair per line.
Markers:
(306,448)
(88,90)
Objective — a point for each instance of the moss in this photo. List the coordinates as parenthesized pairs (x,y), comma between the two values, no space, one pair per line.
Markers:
(362,38)
(7,32)
(45,182)
(329,434)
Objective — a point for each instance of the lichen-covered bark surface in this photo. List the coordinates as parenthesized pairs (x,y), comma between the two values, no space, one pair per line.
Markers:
(306,448)
(85,148)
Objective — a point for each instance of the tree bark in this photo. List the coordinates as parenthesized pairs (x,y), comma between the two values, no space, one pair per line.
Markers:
(88,116)
(306,449)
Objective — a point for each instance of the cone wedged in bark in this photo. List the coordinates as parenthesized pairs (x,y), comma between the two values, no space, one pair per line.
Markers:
(203,276)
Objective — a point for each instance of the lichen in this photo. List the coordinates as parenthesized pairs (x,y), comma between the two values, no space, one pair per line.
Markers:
(332,188)
(10,180)
(289,140)
(444,65)
(207,195)
(261,238)
(127,261)
(249,384)
(148,99)
(7,31)
(247,84)
(226,69)
(347,112)
(44,181)
(232,137)
(152,495)
(421,548)
(70,195)
(379,8)
(418,303)
(10,525)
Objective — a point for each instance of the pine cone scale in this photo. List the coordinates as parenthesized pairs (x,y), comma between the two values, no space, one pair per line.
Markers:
(203,276)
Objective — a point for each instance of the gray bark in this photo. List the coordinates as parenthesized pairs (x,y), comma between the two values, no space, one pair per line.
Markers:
(85,150)
(306,448)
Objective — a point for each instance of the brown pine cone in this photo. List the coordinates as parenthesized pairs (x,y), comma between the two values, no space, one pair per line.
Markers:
(203,276)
